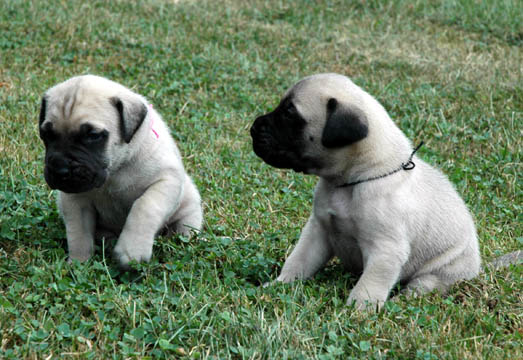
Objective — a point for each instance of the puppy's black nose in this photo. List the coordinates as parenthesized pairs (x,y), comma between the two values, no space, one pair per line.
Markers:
(62,172)
(59,167)
(258,126)
(254,127)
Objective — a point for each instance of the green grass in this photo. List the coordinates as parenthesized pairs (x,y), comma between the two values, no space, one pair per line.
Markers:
(449,73)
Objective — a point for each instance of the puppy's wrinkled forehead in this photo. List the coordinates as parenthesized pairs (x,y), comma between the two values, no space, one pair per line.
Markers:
(70,105)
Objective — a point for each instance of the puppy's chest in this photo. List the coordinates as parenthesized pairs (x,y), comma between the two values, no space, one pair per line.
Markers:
(113,208)
(336,211)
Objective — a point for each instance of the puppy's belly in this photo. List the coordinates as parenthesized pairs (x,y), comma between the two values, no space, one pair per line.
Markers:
(112,212)
(347,250)
(332,210)
(342,239)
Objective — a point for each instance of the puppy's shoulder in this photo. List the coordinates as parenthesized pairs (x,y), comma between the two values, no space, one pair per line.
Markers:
(431,180)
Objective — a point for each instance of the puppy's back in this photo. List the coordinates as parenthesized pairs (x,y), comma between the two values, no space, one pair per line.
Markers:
(443,234)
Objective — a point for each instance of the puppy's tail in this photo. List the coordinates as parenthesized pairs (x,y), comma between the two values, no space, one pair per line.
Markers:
(513,258)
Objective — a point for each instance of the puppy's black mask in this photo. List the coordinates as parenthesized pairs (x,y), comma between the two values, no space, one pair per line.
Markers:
(277,138)
(75,162)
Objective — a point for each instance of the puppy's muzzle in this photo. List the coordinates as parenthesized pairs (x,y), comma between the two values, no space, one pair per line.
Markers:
(261,138)
(266,143)
(59,168)
(277,144)
(71,176)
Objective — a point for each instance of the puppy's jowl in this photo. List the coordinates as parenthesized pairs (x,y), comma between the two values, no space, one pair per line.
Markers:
(384,212)
(117,168)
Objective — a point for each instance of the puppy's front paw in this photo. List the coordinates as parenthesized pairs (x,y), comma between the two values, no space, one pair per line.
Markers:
(364,301)
(286,278)
(79,258)
(269,283)
(292,271)
(365,304)
(126,251)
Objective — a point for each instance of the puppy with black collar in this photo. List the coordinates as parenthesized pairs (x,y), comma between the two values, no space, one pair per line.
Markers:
(383,211)
(117,168)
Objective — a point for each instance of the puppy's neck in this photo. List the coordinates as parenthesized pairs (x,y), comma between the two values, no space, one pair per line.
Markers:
(376,157)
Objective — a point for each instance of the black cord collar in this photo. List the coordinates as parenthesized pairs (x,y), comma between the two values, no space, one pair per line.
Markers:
(409,165)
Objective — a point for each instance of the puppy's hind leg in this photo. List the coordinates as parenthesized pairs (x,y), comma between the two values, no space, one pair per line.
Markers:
(310,254)
(424,284)
(189,216)
(451,269)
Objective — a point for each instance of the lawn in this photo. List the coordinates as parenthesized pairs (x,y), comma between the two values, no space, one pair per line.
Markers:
(449,72)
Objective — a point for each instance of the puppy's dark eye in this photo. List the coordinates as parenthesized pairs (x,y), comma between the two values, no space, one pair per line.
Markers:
(47,134)
(94,136)
(290,108)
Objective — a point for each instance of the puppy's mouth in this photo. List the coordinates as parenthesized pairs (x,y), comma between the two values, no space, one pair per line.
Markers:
(301,170)
(277,138)
(77,180)
(284,158)
(307,166)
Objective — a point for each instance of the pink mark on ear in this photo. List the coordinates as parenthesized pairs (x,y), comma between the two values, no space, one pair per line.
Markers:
(152,121)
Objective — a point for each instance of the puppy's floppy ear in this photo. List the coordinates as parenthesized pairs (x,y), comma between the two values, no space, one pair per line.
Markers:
(344,126)
(131,113)
(43,108)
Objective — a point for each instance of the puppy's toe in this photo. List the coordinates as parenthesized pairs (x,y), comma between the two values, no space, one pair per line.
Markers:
(365,305)
(79,258)
(125,256)
(286,278)
(364,302)
(270,283)
(123,260)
